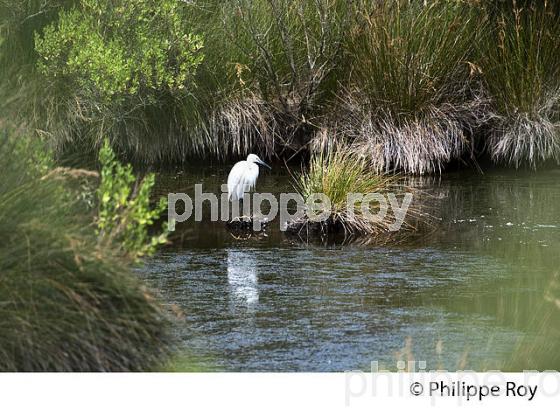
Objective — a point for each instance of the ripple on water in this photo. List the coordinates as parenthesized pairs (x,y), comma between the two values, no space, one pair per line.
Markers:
(310,309)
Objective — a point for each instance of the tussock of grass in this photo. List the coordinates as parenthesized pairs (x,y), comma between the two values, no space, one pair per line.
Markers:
(338,172)
(66,303)
(411,103)
(523,139)
(523,77)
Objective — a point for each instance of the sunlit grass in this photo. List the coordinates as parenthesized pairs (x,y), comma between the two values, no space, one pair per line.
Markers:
(338,172)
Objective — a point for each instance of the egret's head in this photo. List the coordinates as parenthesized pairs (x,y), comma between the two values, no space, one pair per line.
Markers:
(252,158)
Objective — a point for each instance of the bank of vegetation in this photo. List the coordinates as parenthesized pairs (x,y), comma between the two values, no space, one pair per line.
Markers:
(401,85)
(414,86)
(69,300)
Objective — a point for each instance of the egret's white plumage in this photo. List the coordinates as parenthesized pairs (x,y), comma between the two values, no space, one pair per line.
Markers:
(243,177)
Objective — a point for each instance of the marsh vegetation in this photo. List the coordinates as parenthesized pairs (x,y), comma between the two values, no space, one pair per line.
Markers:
(356,94)
(68,298)
(414,87)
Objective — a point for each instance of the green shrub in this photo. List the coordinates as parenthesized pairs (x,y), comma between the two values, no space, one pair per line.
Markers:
(114,48)
(117,69)
(125,213)
(67,302)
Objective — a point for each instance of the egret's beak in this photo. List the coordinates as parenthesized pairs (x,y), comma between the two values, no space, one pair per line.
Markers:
(265,164)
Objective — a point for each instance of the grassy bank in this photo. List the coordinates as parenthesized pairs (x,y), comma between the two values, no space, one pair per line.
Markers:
(414,87)
(68,300)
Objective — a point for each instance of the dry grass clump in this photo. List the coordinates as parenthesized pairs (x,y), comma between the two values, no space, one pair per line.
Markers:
(242,123)
(422,143)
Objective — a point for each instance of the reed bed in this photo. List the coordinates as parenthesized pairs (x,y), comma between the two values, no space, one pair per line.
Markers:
(412,102)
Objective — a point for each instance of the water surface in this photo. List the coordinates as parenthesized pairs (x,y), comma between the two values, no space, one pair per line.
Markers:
(473,293)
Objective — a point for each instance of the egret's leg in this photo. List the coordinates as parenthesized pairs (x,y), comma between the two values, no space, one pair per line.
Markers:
(243,217)
(237,210)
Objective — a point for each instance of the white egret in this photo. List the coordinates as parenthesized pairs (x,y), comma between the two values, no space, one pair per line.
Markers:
(243,177)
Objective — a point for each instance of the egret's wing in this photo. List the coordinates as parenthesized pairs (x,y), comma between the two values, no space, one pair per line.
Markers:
(242,178)
(250,177)
(236,181)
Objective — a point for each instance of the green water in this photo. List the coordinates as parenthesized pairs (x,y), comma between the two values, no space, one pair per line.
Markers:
(476,292)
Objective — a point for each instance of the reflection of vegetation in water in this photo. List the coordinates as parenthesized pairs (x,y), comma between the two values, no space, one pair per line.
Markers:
(67,302)
(539,348)
(514,223)
(185,361)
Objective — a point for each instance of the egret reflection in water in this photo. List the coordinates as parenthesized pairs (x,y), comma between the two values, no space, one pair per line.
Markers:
(242,276)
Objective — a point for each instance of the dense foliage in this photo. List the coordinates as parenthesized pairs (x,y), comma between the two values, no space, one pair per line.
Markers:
(413,85)
(113,48)
(67,302)
(125,213)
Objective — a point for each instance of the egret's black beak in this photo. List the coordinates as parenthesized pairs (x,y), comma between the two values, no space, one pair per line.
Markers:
(265,164)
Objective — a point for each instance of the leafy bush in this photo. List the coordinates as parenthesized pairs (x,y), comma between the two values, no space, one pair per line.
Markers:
(67,302)
(115,48)
(124,207)
(117,69)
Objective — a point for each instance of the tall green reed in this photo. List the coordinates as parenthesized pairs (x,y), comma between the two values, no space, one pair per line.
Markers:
(522,75)
(412,100)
